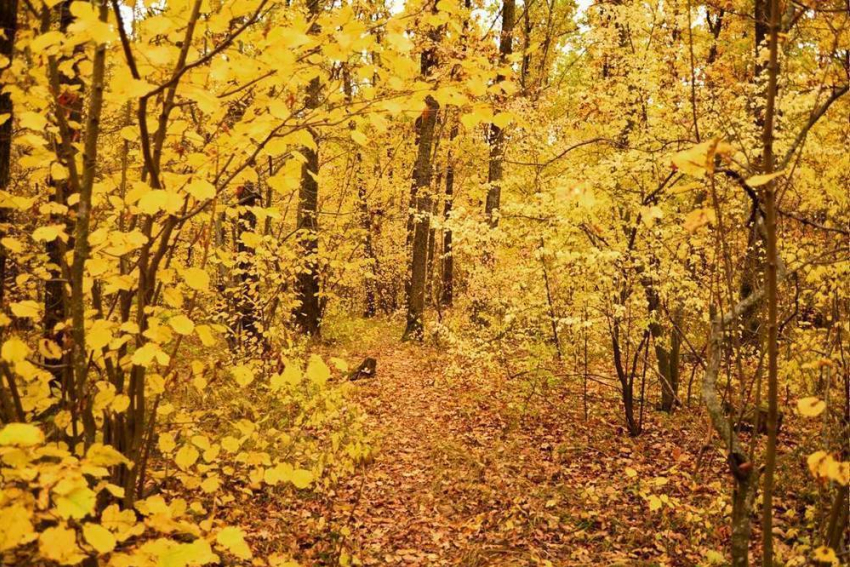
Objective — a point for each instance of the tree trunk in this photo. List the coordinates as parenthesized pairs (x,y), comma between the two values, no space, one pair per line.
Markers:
(9,23)
(663,356)
(55,291)
(308,313)
(421,223)
(752,271)
(246,303)
(497,135)
(363,204)
(447,288)
(771,283)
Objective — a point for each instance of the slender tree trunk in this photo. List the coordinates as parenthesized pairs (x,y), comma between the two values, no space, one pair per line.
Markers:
(753,264)
(419,222)
(365,217)
(422,223)
(663,356)
(248,333)
(497,134)
(369,251)
(55,291)
(81,236)
(9,24)
(308,313)
(768,165)
(447,288)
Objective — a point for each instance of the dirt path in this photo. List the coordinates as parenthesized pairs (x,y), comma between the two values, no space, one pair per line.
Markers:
(435,493)
(472,471)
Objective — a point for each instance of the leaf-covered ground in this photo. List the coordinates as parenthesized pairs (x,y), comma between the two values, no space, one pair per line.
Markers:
(479,470)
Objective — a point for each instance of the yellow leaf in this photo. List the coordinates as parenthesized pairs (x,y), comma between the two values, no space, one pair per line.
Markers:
(317,371)
(121,522)
(166,442)
(129,133)
(811,407)
(206,335)
(759,180)
(359,137)
(816,460)
(243,375)
(825,554)
(231,444)
(49,349)
(14,350)
(630,472)
(196,279)
(25,309)
(698,160)
(99,335)
(58,171)
(33,121)
(201,189)
(86,21)
(15,527)
(99,538)
(152,202)
(21,435)
(210,484)
(502,119)
(169,553)
(186,456)
(182,325)
(400,42)
(147,353)
(202,442)
(654,503)
(105,456)
(120,403)
(50,233)
(301,478)
(12,245)
(78,503)
(60,544)
(233,540)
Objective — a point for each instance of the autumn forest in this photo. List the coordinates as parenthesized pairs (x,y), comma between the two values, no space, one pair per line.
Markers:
(424,282)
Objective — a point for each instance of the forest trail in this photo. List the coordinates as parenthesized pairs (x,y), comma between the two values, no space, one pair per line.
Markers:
(473,471)
(434,489)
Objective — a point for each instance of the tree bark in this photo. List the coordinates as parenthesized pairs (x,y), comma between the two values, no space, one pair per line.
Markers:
(497,135)
(246,302)
(421,223)
(768,165)
(9,23)
(447,287)
(308,314)
(69,102)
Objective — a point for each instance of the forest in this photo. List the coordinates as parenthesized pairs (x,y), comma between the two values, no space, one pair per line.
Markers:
(424,282)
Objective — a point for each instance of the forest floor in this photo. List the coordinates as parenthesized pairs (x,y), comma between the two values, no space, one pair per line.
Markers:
(474,470)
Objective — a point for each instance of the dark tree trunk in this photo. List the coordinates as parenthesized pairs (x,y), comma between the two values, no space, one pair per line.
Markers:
(246,303)
(447,288)
(421,224)
(55,290)
(369,251)
(497,135)
(9,23)
(365,217)
(308,314)
(752,272)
